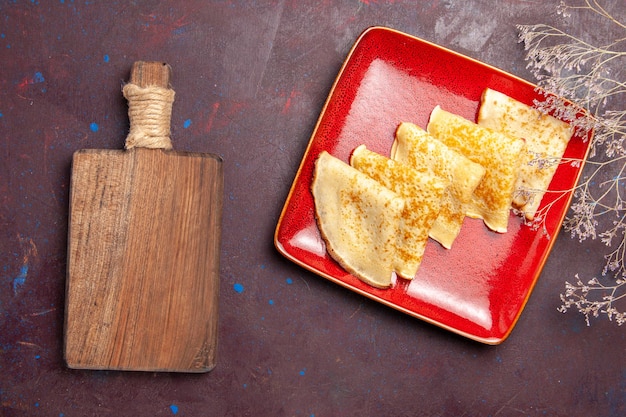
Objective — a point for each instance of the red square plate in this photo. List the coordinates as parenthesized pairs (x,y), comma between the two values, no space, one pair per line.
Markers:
(478,288)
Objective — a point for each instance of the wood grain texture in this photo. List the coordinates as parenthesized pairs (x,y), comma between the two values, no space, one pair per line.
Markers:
(151,73)
(143,255)
(143,267)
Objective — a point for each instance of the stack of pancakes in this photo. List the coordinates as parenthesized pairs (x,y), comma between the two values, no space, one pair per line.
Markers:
(377,213)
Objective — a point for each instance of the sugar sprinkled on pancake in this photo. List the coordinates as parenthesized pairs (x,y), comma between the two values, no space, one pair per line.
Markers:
(422,192)
(358,219)
(416,148)
(499,154)
(546,138)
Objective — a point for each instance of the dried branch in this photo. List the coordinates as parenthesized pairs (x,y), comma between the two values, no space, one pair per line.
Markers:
(571,68)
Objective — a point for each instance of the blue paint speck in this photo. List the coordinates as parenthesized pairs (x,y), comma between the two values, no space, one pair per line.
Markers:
(36,404)
(38,78)
(289,281)
(238,288)
(1,114)
(187,123)
(94,127)
(37,356)
(271,302)
(174,409)
(106,58)
(20,280)
(302,372)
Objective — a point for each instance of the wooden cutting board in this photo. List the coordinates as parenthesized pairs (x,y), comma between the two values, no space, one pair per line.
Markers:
(143,251)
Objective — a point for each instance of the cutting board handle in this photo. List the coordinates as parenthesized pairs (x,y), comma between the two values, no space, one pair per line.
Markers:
(150,100)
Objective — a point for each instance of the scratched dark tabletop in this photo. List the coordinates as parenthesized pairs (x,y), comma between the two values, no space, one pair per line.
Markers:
(251,79)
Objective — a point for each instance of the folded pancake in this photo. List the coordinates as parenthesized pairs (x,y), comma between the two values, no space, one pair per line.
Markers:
(498,153)
(546,139)
(422,192)
(358,219)
(416,148)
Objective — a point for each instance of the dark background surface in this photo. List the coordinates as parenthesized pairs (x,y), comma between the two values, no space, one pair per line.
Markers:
(250,81)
